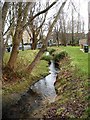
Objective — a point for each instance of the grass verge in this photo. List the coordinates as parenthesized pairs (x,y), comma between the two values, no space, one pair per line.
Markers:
(71,86)
(13,88)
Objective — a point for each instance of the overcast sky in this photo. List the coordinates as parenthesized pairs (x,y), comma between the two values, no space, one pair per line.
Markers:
(84,11)
(83,6)
(79,4)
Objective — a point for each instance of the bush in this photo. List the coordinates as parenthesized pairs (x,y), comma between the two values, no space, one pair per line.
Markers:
(51,51)
(47,58)
(58,56)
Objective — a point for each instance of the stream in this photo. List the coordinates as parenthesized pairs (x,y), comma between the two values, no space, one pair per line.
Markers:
(39,94)
(45,86)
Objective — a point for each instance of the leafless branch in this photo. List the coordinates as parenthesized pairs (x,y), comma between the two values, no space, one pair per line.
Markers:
(39,13)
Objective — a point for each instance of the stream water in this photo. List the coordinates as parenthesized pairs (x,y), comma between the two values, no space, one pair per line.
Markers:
(45,86)
(39,93)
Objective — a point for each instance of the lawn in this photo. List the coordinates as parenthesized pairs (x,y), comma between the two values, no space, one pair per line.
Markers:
(78,58)
(24,59)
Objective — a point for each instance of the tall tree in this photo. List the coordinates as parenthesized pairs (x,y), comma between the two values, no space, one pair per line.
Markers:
(21,24)
(0,42)
(56,34)
(38,56)
(36,26)
(4,11)
(72,42)
(21,19)
(62,28)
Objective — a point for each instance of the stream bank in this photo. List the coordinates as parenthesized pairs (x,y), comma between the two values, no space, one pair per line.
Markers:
(72,93)
(14,89)
(38,96)
(70,101)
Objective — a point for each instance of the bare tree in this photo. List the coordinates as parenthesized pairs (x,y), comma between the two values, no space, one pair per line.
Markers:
(62,28)
(36,26)
(21,19)
(1,42)
(20,26)
(72,42)
(38,56)
(4,11)
(56,34)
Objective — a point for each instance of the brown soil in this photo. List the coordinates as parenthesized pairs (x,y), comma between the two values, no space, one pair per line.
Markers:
(10,76)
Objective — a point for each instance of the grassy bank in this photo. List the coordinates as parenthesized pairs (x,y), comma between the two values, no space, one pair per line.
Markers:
(14,87)
(78,58)
(71,86)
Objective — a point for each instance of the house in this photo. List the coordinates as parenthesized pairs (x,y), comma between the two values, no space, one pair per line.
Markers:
(82,42)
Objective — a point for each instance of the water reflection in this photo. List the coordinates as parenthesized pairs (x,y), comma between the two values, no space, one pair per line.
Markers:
(45,87)
(31,101)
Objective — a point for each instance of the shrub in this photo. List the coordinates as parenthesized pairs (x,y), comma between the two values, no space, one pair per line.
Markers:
(58,56)
(47,58)
(51,50)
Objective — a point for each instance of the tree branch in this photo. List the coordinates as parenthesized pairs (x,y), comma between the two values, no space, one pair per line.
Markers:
(41,12)
(39,54)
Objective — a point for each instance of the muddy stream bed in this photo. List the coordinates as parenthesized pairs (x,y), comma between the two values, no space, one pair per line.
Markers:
(39,94)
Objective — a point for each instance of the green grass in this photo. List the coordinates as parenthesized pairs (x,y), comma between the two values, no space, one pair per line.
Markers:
(72,82)
(47,58)
(24,59)
(78,58)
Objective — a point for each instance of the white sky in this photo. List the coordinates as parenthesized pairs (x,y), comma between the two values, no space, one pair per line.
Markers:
(83,9)
(84,12)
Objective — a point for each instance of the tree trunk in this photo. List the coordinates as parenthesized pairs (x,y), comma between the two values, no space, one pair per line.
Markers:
(1,44)
(57,38)
(34,42)
(16,40)
(22,45)
(15,50)
(4,11)
(72,28)
(4,46)
(18,34)
(36,60)
(34,45)
(13,57)
(64,41)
